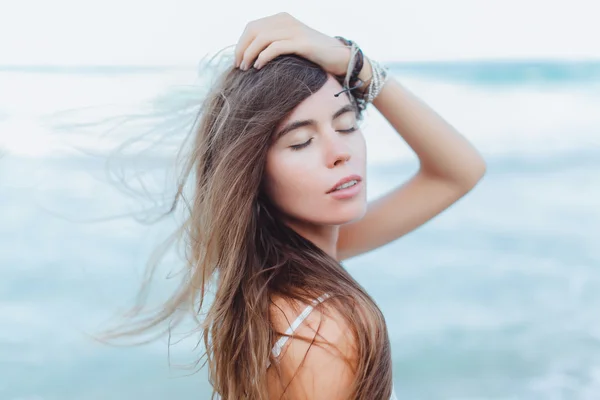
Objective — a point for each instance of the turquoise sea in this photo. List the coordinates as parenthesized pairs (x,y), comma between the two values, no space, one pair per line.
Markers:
(497,298)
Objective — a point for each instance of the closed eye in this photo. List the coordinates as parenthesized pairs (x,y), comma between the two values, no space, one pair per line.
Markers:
(303,145)
(300,146)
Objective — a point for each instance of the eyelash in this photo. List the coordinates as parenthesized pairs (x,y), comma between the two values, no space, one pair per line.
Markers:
(300,146)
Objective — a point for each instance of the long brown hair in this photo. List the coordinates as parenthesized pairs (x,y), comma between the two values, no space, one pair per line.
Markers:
(235,238)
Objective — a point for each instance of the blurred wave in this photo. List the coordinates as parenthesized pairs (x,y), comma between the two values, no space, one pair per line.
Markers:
(496,298)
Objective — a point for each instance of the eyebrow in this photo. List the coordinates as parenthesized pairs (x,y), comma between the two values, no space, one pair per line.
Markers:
(311,122)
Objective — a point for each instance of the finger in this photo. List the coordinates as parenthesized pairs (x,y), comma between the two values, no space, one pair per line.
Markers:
(244,41)
(274,49)
(260,43)
(255,27)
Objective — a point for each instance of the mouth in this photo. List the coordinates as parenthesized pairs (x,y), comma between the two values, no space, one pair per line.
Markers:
(351,181)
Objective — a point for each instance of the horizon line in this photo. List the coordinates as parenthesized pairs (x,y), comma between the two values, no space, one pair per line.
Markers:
(4,67)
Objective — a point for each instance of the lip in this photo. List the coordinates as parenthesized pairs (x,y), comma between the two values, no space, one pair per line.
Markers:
(344,180)
(347,193)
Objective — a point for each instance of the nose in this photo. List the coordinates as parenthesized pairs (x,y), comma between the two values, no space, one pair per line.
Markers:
(338,152)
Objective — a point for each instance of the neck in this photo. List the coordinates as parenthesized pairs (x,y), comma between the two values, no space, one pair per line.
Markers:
(323,236)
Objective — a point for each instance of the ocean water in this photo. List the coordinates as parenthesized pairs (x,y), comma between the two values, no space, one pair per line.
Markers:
(496,298)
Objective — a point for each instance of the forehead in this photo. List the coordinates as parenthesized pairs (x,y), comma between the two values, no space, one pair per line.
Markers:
(322,102)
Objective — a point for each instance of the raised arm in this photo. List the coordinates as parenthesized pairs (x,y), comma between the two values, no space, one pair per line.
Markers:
(449,168)
(449,165)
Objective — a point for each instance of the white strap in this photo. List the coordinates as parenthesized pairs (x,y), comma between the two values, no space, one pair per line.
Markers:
(282,340)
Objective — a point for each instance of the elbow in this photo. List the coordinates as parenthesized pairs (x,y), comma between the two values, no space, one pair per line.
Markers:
(468,175)
(461,176)
(480,169)
(475,174)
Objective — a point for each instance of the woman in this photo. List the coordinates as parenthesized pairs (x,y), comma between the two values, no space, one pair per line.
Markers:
(279,200)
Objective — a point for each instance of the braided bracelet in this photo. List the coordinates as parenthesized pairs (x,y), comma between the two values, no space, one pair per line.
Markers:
(376,81)
(358,61)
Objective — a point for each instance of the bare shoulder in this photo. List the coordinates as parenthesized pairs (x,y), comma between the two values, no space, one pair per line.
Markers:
(320,360)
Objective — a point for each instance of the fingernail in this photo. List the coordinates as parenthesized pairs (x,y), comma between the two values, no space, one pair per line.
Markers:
(243,65)
(255,65)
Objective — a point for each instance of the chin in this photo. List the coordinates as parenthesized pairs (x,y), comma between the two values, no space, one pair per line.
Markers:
(345,214)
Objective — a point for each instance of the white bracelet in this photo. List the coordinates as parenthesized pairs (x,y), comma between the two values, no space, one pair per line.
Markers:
(378,79)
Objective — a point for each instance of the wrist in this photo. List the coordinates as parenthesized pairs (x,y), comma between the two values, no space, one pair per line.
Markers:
(358,64)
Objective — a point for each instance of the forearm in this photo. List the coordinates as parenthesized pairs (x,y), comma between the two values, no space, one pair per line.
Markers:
(442,151)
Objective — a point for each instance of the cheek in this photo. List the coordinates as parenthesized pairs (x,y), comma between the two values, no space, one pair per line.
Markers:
(359,147)
(291,180)
(296,182)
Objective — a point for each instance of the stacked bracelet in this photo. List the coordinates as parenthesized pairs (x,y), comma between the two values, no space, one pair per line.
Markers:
(380,75)
(351,80)
(359,61)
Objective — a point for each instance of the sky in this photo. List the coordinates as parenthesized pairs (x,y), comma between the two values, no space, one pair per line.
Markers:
(181,32)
